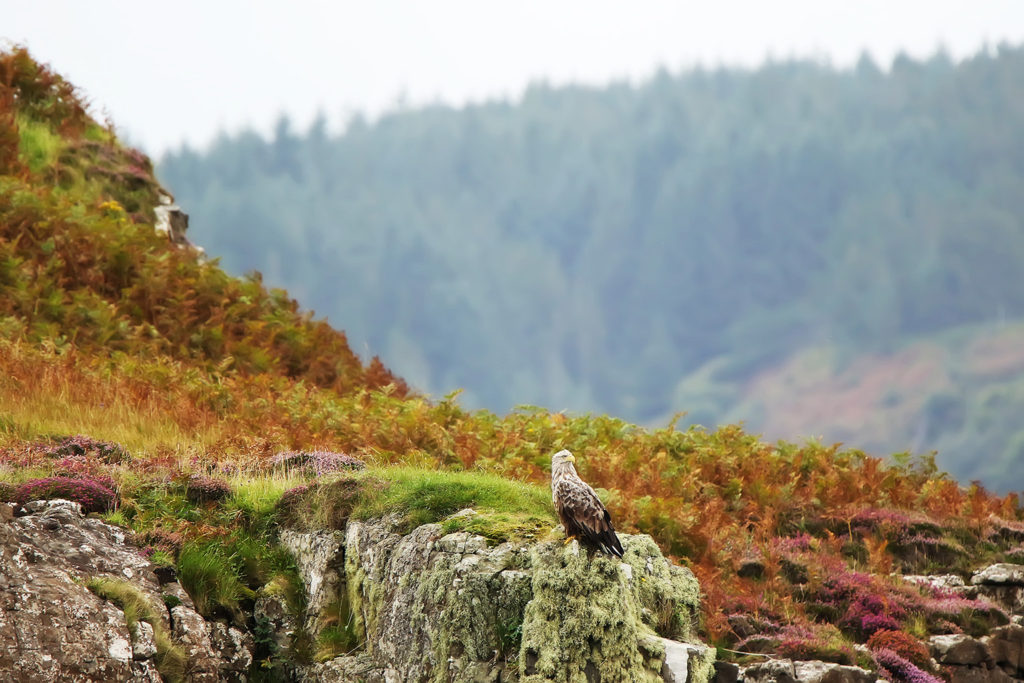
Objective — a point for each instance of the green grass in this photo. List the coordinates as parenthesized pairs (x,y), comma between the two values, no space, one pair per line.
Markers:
(210,574)
(506,509)
(255,497)
(340,635)
(171,660)
(39,145)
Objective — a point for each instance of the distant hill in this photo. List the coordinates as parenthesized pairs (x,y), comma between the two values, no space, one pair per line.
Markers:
(672,246)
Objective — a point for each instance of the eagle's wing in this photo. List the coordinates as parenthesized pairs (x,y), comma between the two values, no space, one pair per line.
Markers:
(584,516)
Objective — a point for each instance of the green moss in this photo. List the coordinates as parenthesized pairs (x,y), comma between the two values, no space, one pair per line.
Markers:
(171,660)
(423,496)
(339,635)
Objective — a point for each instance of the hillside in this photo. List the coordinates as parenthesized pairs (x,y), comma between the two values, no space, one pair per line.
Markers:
(611,243)
(219,413)
(957,392)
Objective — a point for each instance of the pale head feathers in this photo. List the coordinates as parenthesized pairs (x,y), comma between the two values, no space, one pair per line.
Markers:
(562,456)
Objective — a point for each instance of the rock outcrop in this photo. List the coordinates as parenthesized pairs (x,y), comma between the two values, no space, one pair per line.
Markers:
(789,671)
(53,628)
(430,606)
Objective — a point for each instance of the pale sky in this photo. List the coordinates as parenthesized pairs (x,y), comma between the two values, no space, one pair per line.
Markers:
(170,72)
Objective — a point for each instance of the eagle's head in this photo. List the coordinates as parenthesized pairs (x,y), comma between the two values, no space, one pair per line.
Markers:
(562,459)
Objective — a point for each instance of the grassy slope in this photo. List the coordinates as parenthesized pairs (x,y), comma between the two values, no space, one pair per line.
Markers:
(107,329)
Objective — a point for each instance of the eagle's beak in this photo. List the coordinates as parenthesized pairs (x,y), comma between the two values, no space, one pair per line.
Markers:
(570,458)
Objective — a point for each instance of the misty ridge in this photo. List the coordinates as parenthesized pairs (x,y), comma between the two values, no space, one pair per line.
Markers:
(706,241)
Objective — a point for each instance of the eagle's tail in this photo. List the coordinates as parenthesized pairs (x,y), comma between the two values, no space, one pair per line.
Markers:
(610,543)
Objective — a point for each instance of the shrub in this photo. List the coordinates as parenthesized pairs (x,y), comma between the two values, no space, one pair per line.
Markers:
(903,644)
(900,670)
(92,495)
(316,462)
(6,492)
(290,506)
(82,468)
(201,489)
(816,650)
(80,445)
(162,540)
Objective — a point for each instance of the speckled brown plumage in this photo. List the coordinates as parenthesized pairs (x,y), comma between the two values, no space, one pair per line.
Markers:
(579,509)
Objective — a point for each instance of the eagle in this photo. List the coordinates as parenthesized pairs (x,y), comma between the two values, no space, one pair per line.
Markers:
(579,508)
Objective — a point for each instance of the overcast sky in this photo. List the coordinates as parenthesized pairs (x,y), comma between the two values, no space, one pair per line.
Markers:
(170,72)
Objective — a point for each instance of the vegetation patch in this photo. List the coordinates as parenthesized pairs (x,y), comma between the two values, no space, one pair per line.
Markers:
(503,509)
(200,489)
(90,493)
(316,463)
(211,575)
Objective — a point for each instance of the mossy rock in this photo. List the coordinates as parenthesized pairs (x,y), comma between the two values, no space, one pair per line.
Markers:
(591,617)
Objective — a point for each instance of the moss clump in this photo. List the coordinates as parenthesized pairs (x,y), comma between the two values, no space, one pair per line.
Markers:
(594,616)
(580,622)
(39,145)
(669,594)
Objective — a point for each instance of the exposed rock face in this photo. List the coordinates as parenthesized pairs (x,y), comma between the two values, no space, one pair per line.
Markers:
(320,559)
(173,222)
(1006,649)
(53,628)
(432,606)
(1003,583)
(958,649)
(788,671)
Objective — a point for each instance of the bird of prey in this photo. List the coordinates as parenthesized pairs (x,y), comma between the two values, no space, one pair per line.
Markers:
(579,508)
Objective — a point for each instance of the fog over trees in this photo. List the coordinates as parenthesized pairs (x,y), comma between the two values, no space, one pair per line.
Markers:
(589,248)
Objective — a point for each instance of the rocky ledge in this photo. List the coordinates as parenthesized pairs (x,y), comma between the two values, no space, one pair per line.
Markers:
(54,628)
(434,606)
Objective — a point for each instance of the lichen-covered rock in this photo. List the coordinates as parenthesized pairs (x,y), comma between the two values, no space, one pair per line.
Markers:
(1003,584)
(588,613)
(274,619)
(320,558)
(53,628)
(350,668)
(235,649)
(947,582)
(143,643)
(581,622)
(431,606)
(192,633)
(678,659)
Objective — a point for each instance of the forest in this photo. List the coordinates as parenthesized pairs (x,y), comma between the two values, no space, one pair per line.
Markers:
(649,249)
